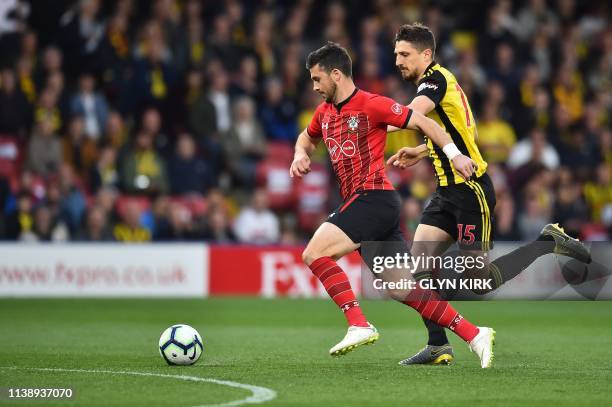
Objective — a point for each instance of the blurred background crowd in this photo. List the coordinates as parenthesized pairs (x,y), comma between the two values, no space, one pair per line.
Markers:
(169,120)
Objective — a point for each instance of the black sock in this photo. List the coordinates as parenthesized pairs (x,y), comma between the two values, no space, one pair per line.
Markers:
(505,268)
(437,334)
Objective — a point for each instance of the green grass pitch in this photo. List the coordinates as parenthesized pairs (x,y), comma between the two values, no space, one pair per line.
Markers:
(547,353)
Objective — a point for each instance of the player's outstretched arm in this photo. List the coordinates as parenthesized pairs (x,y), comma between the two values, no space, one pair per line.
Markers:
(304,147)
(424,105)
(463,164)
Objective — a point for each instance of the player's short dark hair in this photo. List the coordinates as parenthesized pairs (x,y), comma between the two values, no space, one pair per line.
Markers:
(331,56)
(419,35)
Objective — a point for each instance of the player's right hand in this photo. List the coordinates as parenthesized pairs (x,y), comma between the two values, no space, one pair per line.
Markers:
(300,166)
(465,166)
(404,158)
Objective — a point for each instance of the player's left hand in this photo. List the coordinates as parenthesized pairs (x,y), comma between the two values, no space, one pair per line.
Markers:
(300,166)
(404,158)
(465,166)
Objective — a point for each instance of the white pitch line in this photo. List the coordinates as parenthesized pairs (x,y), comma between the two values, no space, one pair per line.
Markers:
(259,394)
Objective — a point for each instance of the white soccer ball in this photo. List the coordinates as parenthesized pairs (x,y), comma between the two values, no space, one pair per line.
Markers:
(180,345)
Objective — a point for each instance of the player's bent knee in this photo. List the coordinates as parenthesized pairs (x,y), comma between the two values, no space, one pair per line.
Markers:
(307,257)
(398,295)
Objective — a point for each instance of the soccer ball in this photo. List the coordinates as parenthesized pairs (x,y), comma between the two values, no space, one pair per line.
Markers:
(180,345)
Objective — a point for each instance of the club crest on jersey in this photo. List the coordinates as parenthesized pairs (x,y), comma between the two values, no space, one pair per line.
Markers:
(397,109)
(353,124)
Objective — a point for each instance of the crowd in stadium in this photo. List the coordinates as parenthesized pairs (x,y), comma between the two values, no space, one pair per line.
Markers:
(174,120)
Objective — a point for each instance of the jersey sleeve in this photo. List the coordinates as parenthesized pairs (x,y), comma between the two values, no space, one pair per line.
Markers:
(386,111)
(314,128)
(433,86)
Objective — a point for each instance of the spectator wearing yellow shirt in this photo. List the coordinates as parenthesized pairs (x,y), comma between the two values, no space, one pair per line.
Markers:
(129,230)
(25,75)
(568,92)
(47,109)
(598,194)
(21,220)
(143,169)
(495,136)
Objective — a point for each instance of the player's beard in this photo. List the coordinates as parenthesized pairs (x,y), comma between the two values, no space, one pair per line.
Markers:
(329,97)
(409,76)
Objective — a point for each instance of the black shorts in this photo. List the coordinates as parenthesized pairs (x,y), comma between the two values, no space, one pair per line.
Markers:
(464,211)
(369,216)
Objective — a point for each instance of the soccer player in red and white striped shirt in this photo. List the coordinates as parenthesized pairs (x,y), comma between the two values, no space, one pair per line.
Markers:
(353,125)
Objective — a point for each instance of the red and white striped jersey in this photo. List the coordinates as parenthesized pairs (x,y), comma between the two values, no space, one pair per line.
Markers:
(355,133)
